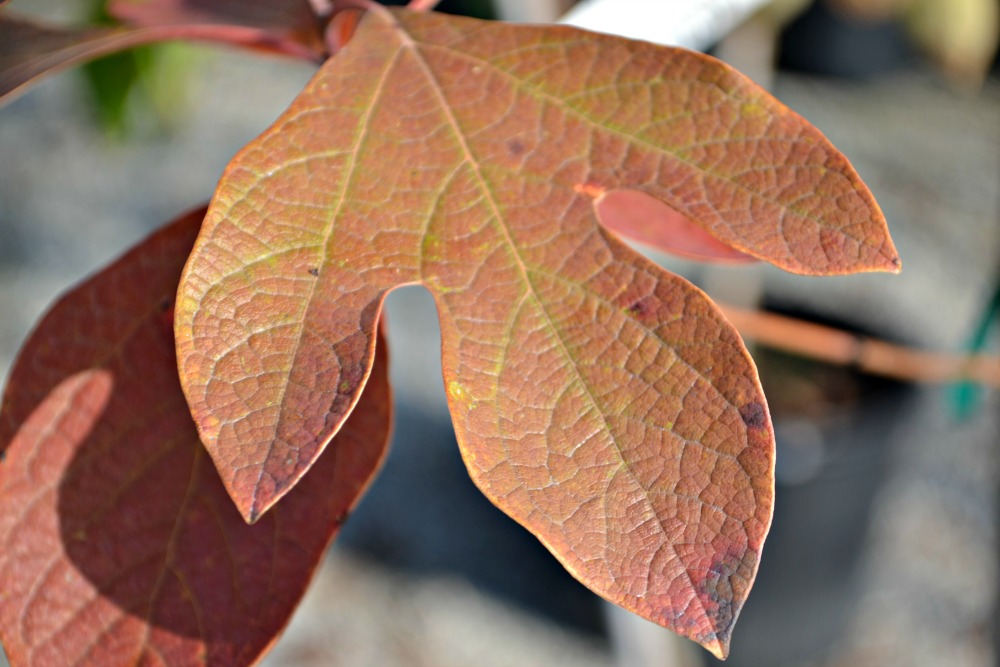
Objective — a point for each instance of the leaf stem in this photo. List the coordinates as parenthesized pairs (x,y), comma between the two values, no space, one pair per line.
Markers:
(340,5)
(422,5)
(872,356)
(344,18)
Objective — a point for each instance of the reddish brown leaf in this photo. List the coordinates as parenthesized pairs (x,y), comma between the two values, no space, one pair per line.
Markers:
(118,543)
(600,401)
(29,49)
(647,220)
(292,21)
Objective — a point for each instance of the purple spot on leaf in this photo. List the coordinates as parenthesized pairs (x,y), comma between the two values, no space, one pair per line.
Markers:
(753,415)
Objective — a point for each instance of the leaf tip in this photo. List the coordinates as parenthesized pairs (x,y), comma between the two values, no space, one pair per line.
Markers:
(251,504)
(895,264)
(886,262)
(718,646)
(258,507)
(888,259)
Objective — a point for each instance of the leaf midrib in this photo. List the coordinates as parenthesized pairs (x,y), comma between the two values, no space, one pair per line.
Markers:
(409,43)
(349,173)
(541,94)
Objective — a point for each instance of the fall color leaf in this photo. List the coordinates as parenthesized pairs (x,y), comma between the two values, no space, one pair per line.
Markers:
(30,49)
(602,402)
(649,221)
(118,543)
(284,21)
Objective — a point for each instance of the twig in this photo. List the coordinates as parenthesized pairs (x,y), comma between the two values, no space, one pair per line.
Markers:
(871,356)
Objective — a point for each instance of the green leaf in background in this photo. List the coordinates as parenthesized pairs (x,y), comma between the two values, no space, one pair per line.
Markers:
(140,83)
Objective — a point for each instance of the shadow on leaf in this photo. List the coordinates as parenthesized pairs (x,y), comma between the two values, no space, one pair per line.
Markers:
(126,546)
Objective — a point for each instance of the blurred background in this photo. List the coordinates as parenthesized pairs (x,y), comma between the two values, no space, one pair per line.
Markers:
(883,550)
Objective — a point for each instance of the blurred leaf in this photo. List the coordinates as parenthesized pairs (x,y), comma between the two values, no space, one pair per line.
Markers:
(290,21)
(29,49)
(111,80)
(961,35)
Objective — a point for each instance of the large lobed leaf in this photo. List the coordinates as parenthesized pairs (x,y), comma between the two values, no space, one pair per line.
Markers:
(602,402)
(118,543)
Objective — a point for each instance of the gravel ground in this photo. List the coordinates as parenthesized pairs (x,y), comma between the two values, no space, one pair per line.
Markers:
(361,615)
(932,158)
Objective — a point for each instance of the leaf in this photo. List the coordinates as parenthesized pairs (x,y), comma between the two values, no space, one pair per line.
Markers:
(118,543)
(642,218)
(600,401)
(118,82)
(29,49)
(291,21)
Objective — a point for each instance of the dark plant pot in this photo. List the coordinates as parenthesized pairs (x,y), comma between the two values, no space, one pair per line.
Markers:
(423,515)
(833,428)
(825,41)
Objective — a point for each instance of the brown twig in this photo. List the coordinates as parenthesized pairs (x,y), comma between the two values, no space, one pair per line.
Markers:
(871,356)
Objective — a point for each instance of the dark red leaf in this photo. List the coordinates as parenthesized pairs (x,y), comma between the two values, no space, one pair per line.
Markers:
(292,21)
(118,542)
(649,221)
(29,49)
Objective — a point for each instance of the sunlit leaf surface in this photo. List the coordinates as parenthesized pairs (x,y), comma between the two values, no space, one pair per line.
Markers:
(602,402)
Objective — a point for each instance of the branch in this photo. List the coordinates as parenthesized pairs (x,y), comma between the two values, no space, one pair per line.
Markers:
(871,356)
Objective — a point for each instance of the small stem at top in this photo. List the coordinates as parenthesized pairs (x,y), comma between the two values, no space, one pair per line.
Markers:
(422,5)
